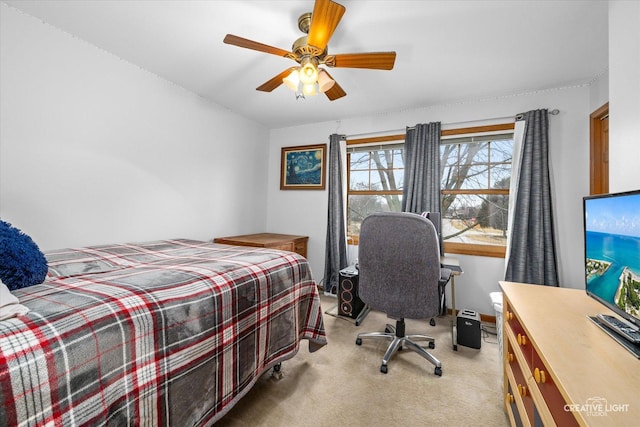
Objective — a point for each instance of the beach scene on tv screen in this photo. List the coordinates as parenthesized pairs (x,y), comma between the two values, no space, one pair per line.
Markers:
(612,239)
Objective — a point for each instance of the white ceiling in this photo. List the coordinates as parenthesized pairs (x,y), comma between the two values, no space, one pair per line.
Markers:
(447,51)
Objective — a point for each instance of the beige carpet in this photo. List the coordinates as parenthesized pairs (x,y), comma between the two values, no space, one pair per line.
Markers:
(341,384)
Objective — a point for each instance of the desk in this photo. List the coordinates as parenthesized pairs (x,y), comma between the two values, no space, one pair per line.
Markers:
(454,265)
(447,262)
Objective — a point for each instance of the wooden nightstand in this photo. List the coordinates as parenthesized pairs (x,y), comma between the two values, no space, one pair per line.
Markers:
(286,242)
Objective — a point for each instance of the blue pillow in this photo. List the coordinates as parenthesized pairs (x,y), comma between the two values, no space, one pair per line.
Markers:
(22,263)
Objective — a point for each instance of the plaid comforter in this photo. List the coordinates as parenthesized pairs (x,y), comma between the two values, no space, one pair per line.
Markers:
(162,333)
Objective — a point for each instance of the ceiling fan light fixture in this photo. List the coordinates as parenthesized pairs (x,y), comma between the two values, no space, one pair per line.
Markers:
(308,74)
(324,81)
(308,71)
(292,81)
(310,89)
(308,80)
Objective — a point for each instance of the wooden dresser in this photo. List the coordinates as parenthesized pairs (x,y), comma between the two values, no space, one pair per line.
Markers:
(286,242)
(559,367)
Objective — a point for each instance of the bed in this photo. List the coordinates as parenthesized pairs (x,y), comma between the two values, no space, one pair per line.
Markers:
(170,332)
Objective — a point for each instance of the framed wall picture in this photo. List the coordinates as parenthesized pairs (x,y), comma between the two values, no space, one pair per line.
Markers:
(303,167)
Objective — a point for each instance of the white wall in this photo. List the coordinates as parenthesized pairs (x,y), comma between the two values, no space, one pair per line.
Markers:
(95,150)
(624,90)
(305,212)
(599,91)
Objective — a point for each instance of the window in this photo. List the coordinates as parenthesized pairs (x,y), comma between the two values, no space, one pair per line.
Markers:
(475,169)
(476,172)
(376,175)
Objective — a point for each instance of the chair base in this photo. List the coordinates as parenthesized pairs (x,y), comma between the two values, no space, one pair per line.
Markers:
(398,339)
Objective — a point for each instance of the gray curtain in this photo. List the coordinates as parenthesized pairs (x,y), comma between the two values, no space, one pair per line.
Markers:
(421,189)
(336,245)
(531,253)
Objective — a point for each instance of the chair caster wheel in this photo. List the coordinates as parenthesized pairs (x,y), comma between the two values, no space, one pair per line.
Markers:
(383,369)
(387,330)
(432,322)
(438,371)
(432,345)
(358,341)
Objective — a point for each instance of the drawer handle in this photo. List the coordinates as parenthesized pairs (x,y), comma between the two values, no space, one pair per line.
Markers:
(522,390)
(510,357)
(522,339)
(509,315)
(539,375)
(509,399)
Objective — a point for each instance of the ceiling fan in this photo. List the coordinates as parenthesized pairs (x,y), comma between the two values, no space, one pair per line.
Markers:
(310,52)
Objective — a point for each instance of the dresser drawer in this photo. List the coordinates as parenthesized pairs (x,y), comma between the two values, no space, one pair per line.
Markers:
(521,339)
(513,411)
(518,374)
(283,246)
(544,385)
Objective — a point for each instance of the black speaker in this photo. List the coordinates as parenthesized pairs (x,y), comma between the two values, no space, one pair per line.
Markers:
(349,304)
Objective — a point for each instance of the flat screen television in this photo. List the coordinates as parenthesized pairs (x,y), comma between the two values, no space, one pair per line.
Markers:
(612,253)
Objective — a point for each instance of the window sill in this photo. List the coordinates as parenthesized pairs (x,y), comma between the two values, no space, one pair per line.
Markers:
(492,251)
(477,250)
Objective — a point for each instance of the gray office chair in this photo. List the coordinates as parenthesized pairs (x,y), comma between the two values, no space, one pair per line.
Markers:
(399,272)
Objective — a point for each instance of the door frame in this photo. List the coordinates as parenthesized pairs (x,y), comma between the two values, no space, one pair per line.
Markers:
(598,153)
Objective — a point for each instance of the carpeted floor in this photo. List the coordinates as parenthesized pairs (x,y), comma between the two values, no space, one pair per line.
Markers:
(341,384)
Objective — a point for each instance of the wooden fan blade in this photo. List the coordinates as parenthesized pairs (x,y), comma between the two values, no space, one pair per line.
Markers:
(335,91)
(325,18)
(250,44)
(270,85)
(372,60)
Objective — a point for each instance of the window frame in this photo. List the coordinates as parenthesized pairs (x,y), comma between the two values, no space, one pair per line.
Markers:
(382,140)
(494,251)
(449,247)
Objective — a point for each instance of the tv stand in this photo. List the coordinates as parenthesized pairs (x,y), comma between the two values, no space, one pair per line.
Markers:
(560,369)
(616,333)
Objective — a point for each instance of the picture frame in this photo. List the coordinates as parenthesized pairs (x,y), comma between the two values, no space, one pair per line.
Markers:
(303,167)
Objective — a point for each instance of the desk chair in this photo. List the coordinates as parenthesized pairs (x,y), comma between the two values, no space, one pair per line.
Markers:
(399,272)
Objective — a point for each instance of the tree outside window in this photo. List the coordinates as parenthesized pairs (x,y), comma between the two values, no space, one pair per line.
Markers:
(476,174)
(375,183)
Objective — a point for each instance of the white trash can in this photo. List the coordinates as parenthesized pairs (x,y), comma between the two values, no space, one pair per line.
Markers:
(496,300)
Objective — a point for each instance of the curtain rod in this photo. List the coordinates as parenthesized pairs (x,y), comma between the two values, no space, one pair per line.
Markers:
(553,112)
